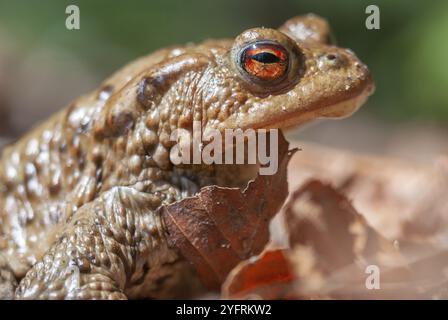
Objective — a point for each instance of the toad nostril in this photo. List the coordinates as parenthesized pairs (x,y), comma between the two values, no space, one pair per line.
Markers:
(331,61)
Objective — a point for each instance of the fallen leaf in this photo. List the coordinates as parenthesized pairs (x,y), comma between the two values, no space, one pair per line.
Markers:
(398,198)
(267,276)
(332,247)
(219,227)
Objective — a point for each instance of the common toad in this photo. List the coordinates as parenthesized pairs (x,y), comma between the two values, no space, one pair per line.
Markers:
(80,192)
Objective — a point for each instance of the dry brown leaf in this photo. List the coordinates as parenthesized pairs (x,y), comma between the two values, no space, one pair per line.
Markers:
(267,276)
(320,216)
(398,198)
(219,227)
(332,246)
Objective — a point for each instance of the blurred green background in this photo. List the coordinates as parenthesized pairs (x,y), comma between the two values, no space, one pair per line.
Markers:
(408,55)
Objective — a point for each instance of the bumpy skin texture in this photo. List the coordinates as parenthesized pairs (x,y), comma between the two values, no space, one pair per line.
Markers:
(79,194)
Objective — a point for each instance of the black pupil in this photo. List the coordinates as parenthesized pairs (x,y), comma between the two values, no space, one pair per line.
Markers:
(266,57)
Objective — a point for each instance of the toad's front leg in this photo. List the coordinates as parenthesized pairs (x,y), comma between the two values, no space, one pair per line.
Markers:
(106,248)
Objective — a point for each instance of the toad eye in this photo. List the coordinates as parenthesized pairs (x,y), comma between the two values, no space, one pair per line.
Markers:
(264,61)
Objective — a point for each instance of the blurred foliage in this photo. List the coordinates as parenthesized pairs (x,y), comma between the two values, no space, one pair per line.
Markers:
(408,55)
